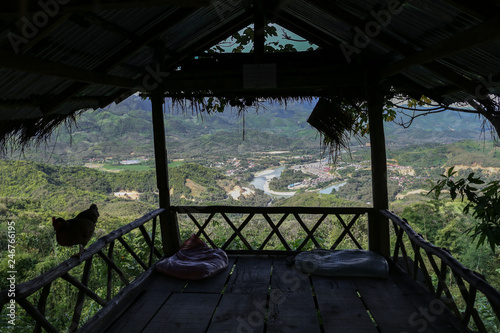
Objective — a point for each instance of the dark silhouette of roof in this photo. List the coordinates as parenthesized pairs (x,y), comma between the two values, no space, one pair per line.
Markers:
(58,57)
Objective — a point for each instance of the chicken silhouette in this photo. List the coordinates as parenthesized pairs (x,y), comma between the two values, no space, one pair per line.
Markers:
(78,230)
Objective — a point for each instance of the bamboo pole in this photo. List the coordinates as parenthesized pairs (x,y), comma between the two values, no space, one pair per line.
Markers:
(168,221)
(378,225)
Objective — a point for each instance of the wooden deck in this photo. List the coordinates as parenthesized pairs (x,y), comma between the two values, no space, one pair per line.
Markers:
(264,294)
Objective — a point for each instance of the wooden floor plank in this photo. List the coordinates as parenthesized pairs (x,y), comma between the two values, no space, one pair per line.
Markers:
(140,313)
(184,313)
(391,309)
(340,307)
(291,303)
(251,274)
(162,282)
(214,284)
(441,318)
(156,290)
(342,311)
(240,313)
(264,288)
(328,283)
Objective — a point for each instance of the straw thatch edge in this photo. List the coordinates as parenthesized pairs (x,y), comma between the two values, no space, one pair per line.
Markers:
(19,134)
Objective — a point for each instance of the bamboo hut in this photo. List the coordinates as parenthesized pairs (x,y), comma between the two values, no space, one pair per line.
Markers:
(60,58)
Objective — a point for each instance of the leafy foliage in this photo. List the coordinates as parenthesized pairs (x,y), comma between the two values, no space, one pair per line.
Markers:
(483,204)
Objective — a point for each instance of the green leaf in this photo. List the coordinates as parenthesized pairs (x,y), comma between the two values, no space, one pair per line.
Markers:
(451,171)
(476,181)
(482,204)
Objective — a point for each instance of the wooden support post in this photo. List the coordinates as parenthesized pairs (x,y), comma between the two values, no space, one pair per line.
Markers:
(42,302)
(168,220)
(258,28)
(77,313)
(109,288)
(378,225)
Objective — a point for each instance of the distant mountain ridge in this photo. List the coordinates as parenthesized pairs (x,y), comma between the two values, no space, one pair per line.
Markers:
(444,127)
(126,129)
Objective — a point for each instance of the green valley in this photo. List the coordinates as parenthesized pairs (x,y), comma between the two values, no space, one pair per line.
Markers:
(108,160)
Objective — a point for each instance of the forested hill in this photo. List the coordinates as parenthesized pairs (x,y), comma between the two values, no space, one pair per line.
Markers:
(67,190)
(126,130)
(444,127)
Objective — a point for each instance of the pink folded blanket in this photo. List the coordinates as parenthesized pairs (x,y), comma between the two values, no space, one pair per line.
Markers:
(195,260)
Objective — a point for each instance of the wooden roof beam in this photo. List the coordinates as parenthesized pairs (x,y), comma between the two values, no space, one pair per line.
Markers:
(100,22)
(35,102)
(29,64)
(300,27)
(453,77)
(44,32)
(147,37)
(464,40)
(220,34)
(397,46)
(338,12)
(410,88)
(120,55)
(259,28)
(289,76)
(29,7)
(482,12)
(305,30)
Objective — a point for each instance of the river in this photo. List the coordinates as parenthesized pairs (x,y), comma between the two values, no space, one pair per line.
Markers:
(265,176)
(328,190)
(262,177)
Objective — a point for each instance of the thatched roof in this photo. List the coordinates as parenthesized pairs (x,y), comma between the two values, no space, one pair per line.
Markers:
(61,56)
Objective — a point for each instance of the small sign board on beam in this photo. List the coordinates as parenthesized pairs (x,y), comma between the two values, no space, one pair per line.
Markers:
(259,76)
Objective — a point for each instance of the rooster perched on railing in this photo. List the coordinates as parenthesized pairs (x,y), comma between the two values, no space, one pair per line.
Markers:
(78,230)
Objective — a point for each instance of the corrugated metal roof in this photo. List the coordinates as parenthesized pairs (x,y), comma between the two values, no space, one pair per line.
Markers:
(125,42)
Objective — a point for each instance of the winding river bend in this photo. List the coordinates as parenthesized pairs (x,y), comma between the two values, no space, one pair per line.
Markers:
(262,179)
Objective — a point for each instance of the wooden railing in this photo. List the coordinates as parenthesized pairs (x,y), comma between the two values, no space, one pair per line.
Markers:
(434,268)
(280,230)
(35,308)
(276,230)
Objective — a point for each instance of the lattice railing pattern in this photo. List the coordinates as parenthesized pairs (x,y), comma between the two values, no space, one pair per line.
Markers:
(440,273)
(32,296)
(256,230)
(292,228)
